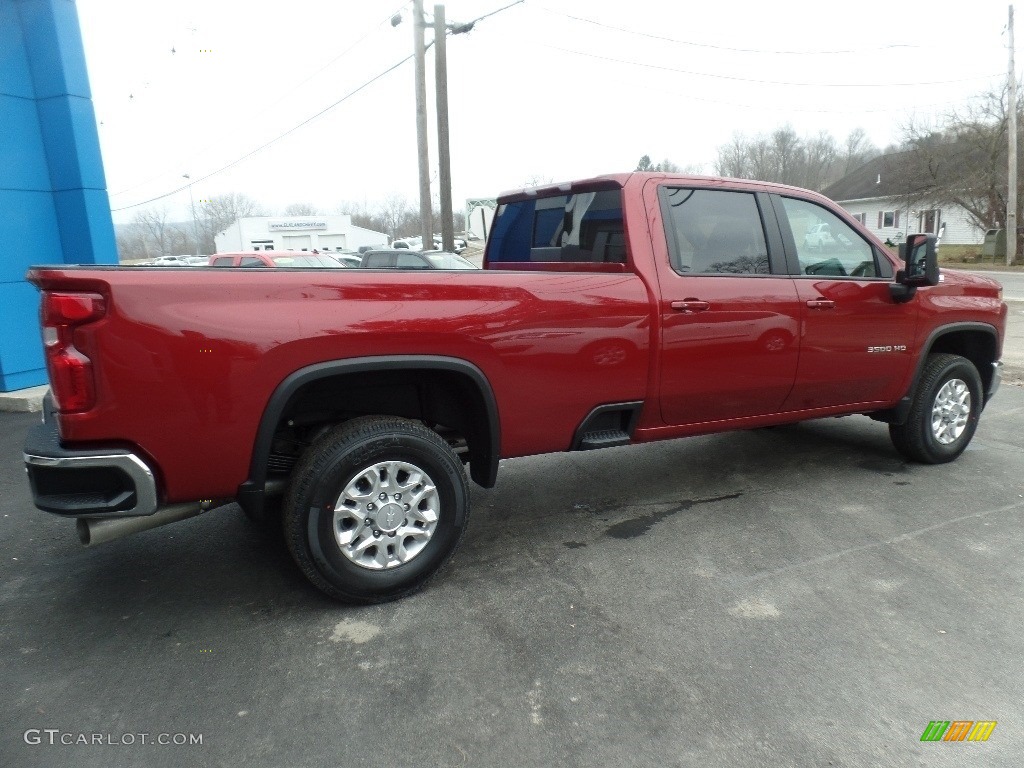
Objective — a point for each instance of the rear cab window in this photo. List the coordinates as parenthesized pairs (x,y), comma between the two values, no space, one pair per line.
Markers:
(578,228)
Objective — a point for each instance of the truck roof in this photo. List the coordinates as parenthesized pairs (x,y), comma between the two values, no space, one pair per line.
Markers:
(620,180)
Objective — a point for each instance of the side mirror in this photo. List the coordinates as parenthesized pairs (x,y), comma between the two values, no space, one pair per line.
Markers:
(920,267)
(921,261)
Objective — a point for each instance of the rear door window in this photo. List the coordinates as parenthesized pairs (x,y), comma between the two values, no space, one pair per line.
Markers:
(714,232)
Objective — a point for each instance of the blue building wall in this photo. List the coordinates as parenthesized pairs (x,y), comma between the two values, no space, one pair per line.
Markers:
(53,199)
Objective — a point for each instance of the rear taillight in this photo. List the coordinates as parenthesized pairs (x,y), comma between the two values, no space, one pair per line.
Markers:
(71,375)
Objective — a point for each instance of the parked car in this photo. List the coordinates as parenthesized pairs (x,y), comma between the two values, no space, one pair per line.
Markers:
(460,244)
(275,259)
(175,261)
(416,243)
(819,236)
(405,259)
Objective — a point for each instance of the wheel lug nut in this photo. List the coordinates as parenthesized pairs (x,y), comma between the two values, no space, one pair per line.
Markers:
(407,507)
(398,497)
(383,496)
(371,506)
(369,521)
(376,534)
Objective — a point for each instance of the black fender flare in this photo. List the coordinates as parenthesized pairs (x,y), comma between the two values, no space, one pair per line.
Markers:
(251,492)
(898,414)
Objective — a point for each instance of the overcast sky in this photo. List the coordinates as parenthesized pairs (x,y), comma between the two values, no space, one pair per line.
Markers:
(550,89)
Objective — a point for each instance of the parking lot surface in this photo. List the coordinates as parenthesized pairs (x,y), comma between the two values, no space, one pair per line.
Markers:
(794,596)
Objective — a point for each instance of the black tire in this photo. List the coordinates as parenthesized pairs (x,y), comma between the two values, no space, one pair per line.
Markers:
(330,466)
(916,438)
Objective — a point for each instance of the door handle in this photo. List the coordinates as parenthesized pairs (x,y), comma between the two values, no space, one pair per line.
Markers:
(821,304)
(690,306)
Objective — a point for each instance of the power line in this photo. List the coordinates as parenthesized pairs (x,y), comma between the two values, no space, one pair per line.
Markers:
(725,47)
(492,13)
(766,82)
(274,104)
(308,120)
(276,139)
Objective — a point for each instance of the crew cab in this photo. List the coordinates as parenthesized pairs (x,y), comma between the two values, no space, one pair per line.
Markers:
(341,408)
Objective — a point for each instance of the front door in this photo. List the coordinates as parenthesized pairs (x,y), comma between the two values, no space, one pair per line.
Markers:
(856,341)
(729,312)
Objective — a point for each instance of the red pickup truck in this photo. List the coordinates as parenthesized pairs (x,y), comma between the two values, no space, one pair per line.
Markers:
(341,405)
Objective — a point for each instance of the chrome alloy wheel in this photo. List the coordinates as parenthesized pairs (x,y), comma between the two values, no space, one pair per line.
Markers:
(386,515)
(950,411)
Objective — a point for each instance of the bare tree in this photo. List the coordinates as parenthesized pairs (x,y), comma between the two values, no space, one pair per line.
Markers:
(301,209)
(782,156)
(131,243)
(732,158)
(152,222)
(963,160)
(221,212)
(666,165)
(858,150)
(821,157)
(397,215)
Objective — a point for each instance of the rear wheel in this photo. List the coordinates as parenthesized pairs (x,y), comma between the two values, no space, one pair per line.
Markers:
(374,508)
(944,413)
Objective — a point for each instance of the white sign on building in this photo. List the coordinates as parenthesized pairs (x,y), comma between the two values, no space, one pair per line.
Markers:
(296,224)
(297,233)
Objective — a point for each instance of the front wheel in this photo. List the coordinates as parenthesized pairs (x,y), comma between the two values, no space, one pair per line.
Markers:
(375,508)
(944,412)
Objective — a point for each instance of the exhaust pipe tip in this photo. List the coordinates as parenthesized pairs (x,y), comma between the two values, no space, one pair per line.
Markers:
(93,532)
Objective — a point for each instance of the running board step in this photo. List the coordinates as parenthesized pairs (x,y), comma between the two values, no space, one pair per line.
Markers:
(605,438)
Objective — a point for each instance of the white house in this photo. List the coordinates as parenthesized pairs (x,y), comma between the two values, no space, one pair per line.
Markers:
(874,195)
(297,233)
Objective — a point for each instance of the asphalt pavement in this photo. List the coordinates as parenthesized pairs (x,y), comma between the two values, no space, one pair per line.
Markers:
(796,596)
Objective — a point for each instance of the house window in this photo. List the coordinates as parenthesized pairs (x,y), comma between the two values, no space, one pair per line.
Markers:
(861,217)
(929,221)
(887,219)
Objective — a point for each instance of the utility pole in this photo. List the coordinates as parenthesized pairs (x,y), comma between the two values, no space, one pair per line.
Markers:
(426,225)
(195,223)
(1011,192)
(444,158)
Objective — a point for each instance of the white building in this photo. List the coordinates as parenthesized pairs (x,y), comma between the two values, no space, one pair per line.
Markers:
(297,233)
(875,195)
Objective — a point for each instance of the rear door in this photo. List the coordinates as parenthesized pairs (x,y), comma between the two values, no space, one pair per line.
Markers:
(730,312)
(856,341)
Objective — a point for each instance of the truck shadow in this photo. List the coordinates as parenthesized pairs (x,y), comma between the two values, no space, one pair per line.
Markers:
(219,562)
